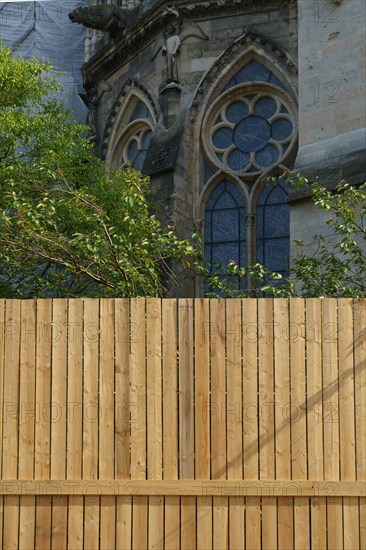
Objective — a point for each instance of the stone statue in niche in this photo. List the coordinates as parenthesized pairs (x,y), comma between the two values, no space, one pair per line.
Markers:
(104,17)
(170,45)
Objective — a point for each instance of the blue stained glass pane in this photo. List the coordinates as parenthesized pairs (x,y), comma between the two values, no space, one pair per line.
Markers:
(273,228)
(238,160)
(223,138)
(226,200)
(141,111)
(218,120)
(225,225)
(225,253)
(267,156)
(260,254)
(276,220)
(276,81)
(265,107)
(236,111)
(208,170)
(132,151)
(146,140)
(273,194)
(252,134)
(281,129)
(284,110)
(139,161)
(256,71)
(277,254)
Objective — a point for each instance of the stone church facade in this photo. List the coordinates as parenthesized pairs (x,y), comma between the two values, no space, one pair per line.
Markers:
(208,98)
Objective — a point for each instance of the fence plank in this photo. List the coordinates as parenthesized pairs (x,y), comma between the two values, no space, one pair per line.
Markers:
(360,397)
(75,420)
(2,338)
(170,419)
(331,419)
(154,419)
(282,419)
(298,412)
(347,420)
(234,409)
(27,418)
(267,418)
(186,420)
(11,420)
(315,419)
(43,425)
(125,413)
(138,429)
(202,419)
(58,419)
(251,416)
(91,419)
(218,419)
(106,434)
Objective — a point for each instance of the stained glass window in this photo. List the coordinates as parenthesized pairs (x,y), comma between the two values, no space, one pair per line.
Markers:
(135,152)
(273,229)
(225,230)
(254,71)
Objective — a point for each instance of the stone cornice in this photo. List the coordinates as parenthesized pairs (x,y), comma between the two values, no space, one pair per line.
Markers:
(146,26)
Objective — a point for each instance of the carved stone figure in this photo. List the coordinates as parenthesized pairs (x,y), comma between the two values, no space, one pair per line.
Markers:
(104,17)
(170,50)
(170,45)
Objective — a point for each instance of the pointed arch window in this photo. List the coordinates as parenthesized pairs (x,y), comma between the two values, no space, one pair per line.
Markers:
(249,129)
(273,229)
(225,231)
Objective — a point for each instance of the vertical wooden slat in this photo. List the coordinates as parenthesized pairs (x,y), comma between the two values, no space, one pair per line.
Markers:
(267,418)
(138,428)
(91,419)
(106,432)
(154,419)
(58,419)
(315,418)
(298,419)
(250,417)
(283,419)
(202,419)
(27,413)
(331,419)
(347,420)
(11,420)
(2,336)
(170,419)
(360,396)
(218,419)
(75,420)
(43,420)
(125,413)
(186,420)
(234,419)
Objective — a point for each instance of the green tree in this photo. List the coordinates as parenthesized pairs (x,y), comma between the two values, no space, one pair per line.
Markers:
(69,227)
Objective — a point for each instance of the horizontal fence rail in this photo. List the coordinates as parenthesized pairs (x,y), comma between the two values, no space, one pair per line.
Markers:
(183,424)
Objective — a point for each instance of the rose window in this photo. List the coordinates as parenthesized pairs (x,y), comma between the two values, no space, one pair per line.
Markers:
(249,130)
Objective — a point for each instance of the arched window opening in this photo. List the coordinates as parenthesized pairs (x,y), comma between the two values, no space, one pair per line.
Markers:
(273,229)
(225,229)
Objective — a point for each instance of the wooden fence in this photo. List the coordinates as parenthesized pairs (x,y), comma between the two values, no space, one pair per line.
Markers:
(185,424)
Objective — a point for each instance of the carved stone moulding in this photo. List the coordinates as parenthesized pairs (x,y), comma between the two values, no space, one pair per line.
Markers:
(146,26)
